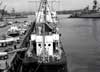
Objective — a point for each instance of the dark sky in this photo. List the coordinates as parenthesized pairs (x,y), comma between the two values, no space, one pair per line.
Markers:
(21,5)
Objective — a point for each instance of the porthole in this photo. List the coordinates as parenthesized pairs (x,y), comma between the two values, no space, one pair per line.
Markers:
(49,44)
(44,44)
(39,44)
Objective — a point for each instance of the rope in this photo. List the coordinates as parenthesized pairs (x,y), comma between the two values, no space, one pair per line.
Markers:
(38,67)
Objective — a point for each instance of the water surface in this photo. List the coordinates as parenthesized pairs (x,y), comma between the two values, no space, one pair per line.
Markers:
(81,40)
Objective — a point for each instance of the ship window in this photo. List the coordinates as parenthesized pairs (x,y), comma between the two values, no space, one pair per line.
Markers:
(39,44)
(34,47)
(54,47)
(44,44)
(49,44)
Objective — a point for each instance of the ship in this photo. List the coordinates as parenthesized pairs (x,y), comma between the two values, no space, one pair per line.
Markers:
(8,41)
(21,16)
(15,15)
(41,49)
(88,13)
(13,31)
(17,30)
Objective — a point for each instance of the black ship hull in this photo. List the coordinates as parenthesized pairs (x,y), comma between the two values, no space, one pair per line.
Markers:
(41,67)
(82,17)
(24,64)
(21,17)
(87,15)
(13,34)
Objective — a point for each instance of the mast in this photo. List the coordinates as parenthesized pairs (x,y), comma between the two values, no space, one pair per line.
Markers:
(45,21)
(43,18)
(95,4)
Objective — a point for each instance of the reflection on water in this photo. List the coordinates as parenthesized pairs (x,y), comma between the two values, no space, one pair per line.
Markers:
(95,30)
(81,40)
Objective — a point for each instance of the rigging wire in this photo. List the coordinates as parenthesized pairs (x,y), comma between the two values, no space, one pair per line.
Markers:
(37,67)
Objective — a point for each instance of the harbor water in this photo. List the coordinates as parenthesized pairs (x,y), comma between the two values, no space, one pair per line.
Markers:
(81,41)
